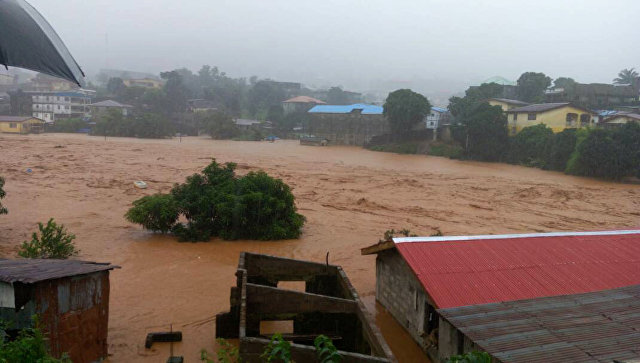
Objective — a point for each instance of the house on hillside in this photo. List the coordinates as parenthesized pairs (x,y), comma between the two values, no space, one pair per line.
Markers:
(620,119)
(143,82)
(557,116)
(418,277)
(506,103)
(595,95)
(21,125)
(347,124)
(103,107)
(71,299)
(200,105)
(300,104)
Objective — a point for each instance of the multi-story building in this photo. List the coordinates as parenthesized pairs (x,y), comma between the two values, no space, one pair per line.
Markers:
(143,82)
(51,106)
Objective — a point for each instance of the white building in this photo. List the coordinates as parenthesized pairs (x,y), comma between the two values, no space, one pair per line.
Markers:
(50,106)
(435,116)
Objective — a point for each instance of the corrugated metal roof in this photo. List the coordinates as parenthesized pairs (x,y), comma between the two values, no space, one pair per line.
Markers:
(366,109)
(510,101)
(468,270)
(592,327)
(540,107)
(304,99)
(110,103)
(31,270)
(15,118)
(438,109)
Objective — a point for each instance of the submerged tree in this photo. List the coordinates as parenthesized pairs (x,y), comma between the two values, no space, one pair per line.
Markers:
(217,203)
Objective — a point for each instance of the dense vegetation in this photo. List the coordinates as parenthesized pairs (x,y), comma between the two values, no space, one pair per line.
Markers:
(146,125)
(53,241)
(470,357)
(404,109)
(3,210)
(29,346)
(69,125)
(217,203)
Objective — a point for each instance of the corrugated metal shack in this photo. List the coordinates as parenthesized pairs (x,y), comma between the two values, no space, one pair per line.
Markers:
(71,299)
(328,305)
(417,276)
(599,326)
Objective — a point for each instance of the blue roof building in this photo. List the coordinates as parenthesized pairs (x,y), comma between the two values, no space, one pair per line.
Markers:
(364,108)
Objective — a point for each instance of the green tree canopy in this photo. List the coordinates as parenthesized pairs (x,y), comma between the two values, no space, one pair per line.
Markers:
(461,106)
(627,76)
(531,86)
(405,108)
(483,133)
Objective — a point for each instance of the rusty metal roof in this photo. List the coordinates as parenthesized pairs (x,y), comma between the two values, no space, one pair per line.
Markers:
(601,326)
(30,271)
(469,270)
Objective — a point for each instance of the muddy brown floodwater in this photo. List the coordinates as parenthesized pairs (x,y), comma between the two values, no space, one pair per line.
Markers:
(349,195)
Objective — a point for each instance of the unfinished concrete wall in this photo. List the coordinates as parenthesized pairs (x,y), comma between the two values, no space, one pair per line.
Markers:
(347,128)
(398,290)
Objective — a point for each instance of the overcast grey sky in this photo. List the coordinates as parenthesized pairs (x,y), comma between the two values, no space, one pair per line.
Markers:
(351,42)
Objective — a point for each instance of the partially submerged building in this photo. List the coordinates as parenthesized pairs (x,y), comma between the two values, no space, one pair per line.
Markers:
(100,109)
(416,277)
(347,124)
(328,305)
(70,298)
(21,125)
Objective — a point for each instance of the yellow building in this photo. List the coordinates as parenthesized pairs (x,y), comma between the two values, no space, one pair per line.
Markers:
(21,124)
(557,116)
(506,104)
(143,82)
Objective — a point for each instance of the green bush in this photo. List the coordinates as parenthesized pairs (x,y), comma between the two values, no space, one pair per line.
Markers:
(531,146)
(157,212)
(326,351)
(147,125)
(398,148)
(446,150)
(3,210)
(278,350)
(561,149)
(69,125)
(226,353)
(601,156)
(29,346)
(216,203)
(53,242)
(573,164)
(470,357)
(485,133)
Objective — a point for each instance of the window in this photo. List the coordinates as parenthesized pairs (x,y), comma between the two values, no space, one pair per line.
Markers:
(531,116)
(572,118)
(585,119)
(515,116)
(13,125)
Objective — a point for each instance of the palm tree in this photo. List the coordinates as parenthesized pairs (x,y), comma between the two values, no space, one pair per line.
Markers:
(627,76)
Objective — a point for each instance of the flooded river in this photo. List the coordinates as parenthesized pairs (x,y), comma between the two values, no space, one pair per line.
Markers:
(350,196)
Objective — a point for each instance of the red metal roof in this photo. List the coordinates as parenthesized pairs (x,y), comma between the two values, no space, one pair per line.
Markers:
(460,271)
